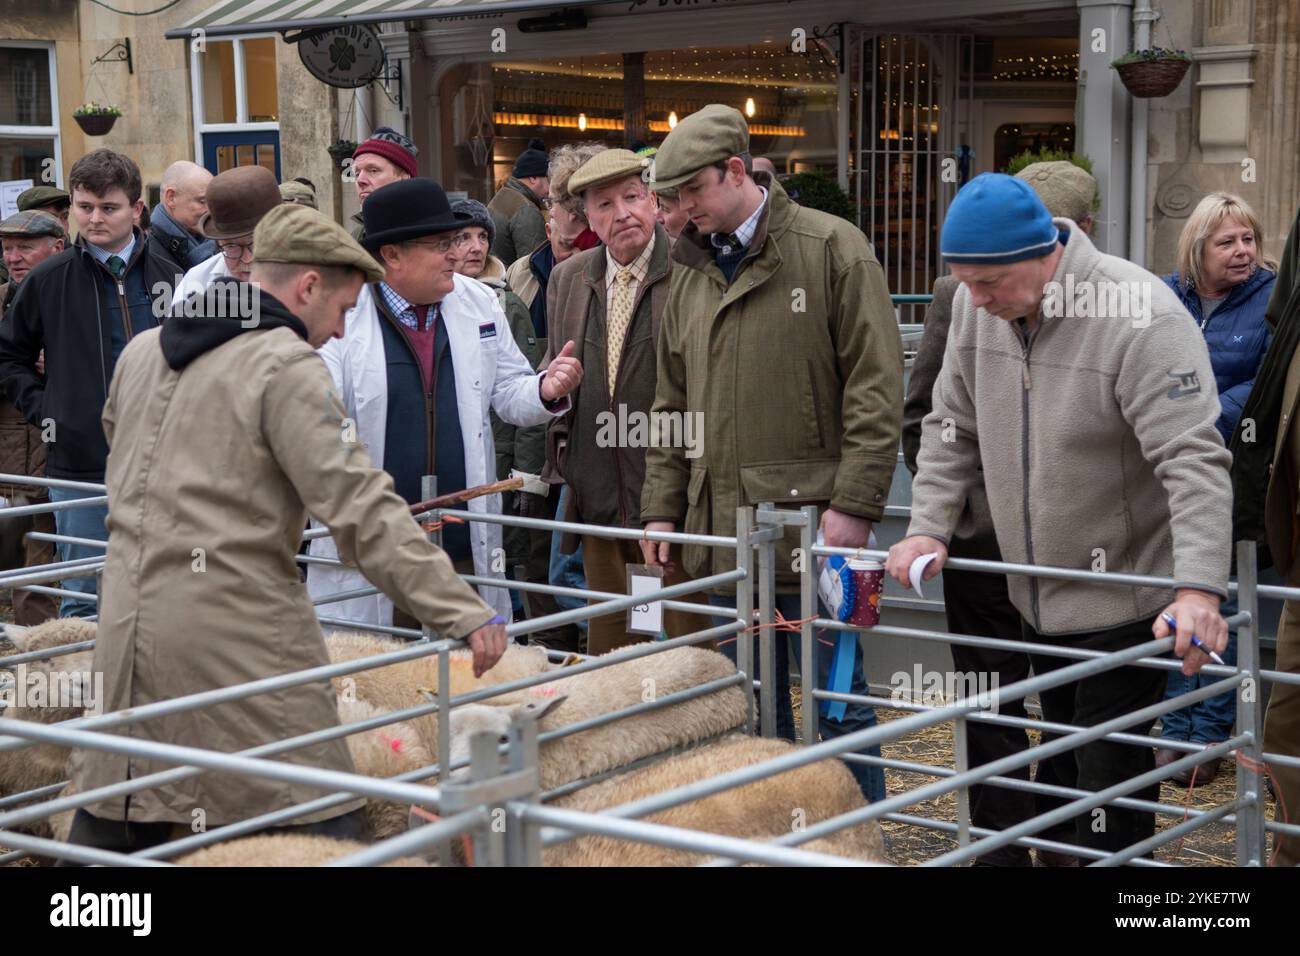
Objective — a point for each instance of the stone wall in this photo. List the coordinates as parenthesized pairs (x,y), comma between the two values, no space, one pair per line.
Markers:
(1232,123)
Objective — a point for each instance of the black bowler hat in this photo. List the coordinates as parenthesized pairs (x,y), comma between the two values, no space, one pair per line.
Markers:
(408,209)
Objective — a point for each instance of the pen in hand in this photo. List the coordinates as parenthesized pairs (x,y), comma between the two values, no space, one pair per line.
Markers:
(1173,624)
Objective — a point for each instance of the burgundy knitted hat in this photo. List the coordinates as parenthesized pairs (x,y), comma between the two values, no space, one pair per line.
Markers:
(391,145)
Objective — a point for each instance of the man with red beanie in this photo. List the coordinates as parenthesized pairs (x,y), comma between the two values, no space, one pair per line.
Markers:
(384,158)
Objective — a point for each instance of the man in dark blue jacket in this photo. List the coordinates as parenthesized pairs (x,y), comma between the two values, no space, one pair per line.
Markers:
(80,308)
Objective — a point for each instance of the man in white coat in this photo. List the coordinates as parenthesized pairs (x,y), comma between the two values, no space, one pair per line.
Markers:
(237,201)
(424,356)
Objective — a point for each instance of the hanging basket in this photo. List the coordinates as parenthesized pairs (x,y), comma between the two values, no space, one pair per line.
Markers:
(95,124)
(341,150)
(1153,76)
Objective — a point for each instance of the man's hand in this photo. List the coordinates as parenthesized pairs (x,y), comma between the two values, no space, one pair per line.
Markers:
(40,362)
(488,644)
(563,375)
(840,530)
(908,550)
(656,552)
(1197,612)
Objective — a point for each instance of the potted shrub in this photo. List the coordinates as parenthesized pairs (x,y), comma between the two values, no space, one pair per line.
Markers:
(94,119)
(1154,72)
(341,150)
(817,190)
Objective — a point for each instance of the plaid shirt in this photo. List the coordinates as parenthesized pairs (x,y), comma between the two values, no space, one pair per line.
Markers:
(404,310)
(747,228)
(639,267)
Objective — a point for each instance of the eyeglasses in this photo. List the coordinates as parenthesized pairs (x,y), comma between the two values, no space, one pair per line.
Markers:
(236,250)
(443,245)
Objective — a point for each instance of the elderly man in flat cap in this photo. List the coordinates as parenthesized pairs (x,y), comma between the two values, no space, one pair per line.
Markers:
(237,201)
(779,331)
(202,590)
(426,355)
(28,239)
(976,603)
(610,300)
(1093,428)
(48,199)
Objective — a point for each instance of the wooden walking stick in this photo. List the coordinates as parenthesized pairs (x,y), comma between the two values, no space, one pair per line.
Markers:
(457,497)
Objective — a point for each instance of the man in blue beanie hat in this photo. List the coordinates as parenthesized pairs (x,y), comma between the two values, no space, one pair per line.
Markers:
(1080,387)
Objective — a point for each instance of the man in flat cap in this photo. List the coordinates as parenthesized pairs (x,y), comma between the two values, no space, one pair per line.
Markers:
(201,591)
(28,239)
(426,354)
(78,309)
(780,332)
(237,201)
(48,199)
(610,300)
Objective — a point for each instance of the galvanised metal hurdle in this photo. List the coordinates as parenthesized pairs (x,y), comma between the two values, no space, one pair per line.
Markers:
(515,789)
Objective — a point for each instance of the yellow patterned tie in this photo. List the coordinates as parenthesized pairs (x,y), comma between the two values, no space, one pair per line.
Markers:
(620,317)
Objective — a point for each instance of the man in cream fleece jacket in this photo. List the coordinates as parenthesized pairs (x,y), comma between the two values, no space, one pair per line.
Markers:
(1084,391)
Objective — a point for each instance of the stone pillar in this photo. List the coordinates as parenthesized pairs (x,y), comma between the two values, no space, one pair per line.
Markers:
(1103,115)
(635,126)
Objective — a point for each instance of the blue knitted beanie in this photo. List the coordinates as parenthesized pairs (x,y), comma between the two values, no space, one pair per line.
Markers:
(996,219)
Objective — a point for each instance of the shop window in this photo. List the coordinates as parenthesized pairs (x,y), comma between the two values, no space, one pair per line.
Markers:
(1012,139)
(29,134)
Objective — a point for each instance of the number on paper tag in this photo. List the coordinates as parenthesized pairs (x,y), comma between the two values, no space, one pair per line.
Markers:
(645,618)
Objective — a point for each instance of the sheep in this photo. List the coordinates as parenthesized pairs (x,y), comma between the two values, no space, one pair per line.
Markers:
(761,810)
(281,850)
(589,694)
(44,764)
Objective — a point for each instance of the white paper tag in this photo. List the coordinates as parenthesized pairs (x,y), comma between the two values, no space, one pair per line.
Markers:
(918,568)
(645,618)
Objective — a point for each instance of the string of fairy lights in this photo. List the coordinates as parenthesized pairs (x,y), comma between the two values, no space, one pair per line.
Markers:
(765,68)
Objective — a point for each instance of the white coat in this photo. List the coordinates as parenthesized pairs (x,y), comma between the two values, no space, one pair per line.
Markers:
(491,373)
(198,278)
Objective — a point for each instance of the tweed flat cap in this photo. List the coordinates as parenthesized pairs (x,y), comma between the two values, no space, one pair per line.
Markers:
(1065,189)
(707,136)
(296,192)
(608,166)
(31,222)
(42,196)
(294,233)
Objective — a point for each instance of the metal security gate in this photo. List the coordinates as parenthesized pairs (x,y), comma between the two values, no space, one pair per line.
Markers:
(911,146)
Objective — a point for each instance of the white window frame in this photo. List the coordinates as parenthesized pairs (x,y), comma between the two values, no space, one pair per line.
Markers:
(241,124)
(41,132)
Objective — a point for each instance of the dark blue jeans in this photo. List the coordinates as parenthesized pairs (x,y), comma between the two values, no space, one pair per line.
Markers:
(566,570)
(856,717)
(1207,721)
(79,523)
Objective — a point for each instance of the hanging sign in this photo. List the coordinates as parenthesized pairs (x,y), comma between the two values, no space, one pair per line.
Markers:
(346,57)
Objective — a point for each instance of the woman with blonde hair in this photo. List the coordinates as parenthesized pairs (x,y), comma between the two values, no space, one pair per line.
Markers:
(1224,280)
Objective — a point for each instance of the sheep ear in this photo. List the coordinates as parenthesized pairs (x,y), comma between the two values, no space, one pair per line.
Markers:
(537,709)
(17,635)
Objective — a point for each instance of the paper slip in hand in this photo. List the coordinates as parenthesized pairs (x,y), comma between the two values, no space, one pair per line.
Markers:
(645,618)
(917,569)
